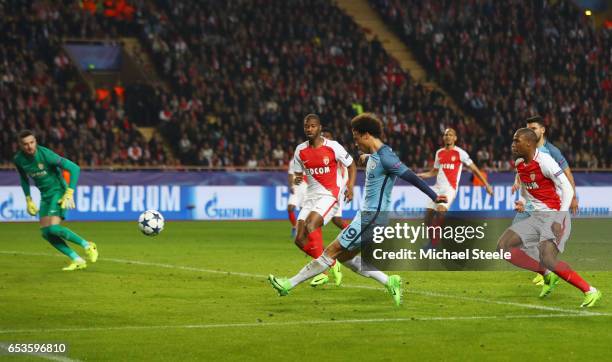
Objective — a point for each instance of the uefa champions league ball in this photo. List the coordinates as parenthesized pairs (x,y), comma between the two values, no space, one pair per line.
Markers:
(151,222)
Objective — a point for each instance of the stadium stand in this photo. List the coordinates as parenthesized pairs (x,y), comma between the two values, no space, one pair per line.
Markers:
(40,89)
(506,60)
(242,74)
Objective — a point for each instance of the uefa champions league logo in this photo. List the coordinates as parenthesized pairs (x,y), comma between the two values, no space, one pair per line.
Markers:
(9,213)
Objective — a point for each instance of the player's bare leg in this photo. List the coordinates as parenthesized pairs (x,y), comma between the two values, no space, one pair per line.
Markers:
(350,258)
(292,220)
(339,222)
(434,218)
(549,257)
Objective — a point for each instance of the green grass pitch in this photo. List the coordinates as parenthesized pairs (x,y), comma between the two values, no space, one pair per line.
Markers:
(198,291)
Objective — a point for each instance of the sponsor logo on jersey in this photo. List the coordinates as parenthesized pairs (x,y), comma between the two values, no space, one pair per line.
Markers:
(531,185)
(448,166)
(38,174)
(318,170)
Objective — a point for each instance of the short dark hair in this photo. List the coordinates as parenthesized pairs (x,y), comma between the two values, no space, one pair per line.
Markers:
(535,119)
(368,123)
(25,133)
(327,130)
(312,116)
(527,133)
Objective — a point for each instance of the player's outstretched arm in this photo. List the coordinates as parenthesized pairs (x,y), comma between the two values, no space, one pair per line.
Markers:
(570,176)
(476,171)
(392,164)
(431,173)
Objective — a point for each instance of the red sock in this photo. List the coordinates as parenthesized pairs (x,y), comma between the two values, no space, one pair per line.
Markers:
(435,238)
(314,246)
(519,258)
(344,224)
(563,270)
(292,218)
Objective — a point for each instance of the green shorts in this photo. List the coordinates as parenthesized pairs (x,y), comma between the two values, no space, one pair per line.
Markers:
(49,205)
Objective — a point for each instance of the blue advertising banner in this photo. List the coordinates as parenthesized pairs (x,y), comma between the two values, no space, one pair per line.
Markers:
(125,195)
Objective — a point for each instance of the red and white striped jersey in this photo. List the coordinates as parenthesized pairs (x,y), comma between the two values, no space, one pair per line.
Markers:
(540,179)
(449,164)
(321,167)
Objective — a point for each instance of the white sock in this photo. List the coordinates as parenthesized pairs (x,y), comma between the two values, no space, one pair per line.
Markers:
(355,265)
(546,272)
(315,267)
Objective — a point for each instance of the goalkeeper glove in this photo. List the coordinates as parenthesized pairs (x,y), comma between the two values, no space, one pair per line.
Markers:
(31,206)
(67,201)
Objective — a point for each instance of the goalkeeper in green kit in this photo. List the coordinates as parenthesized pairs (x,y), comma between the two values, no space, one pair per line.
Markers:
(45,167)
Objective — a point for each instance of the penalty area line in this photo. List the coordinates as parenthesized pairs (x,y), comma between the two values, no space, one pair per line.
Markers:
(252,275)
(295,323)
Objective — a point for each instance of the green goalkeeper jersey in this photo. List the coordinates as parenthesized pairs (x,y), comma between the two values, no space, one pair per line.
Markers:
(45,169)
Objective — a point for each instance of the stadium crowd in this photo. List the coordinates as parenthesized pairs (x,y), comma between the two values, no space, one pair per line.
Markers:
(506,60)
(242,75)
(40,90)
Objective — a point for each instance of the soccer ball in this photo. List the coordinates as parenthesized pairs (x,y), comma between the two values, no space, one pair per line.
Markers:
(151,222)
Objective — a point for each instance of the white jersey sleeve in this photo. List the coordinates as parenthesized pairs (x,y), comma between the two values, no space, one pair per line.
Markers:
(342,155)
(296,166)
(552,170)
(464,157)
(437,160)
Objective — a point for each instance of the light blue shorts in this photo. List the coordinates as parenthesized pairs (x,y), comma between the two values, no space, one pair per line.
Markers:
(351,237)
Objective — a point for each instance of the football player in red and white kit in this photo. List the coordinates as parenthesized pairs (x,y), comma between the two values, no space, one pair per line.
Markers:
(543,184)
(450,159)
(297,193)
(318,160)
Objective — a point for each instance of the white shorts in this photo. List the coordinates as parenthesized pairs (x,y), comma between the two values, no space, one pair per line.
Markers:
(538,227)
(297,197)
(450,195)
(326,206)
(340,206)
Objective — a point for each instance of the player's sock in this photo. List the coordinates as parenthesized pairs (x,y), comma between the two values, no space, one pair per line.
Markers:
(566,273)
(435,238)
(67,234)
(314,246)
(292,218)
(519,258)
(344,224)
(356,266)
(59,244)
(315,267)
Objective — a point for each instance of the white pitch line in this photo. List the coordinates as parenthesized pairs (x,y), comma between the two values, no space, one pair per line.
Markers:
(251,275)
(51,357)
(296,323)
